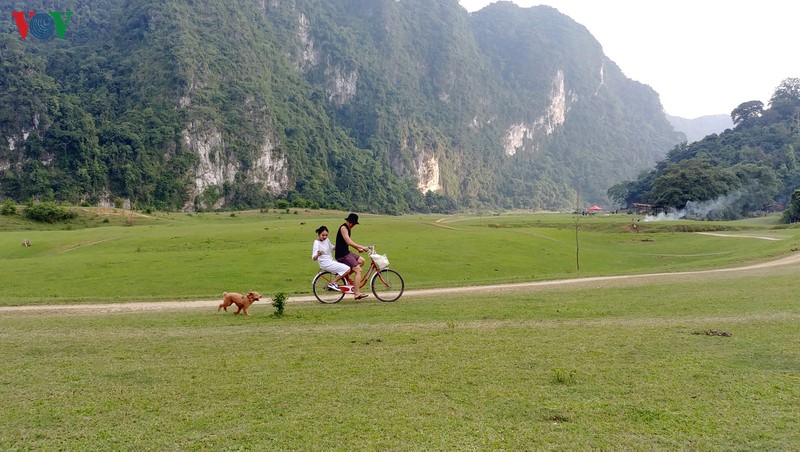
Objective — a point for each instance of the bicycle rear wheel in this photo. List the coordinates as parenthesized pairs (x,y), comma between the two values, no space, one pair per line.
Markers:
(387,285)
(321,291)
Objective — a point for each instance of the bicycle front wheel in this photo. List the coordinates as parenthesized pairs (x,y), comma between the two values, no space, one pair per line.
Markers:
(321,291)
(387,285)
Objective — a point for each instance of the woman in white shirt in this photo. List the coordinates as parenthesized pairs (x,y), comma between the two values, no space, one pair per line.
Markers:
(321,253)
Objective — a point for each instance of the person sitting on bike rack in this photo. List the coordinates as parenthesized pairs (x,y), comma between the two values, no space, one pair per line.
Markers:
(321,253)
(343,254)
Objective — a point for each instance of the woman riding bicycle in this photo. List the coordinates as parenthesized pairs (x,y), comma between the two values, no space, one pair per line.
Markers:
(321,253)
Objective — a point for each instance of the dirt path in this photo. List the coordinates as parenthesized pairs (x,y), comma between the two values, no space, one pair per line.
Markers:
(746,236)
(595,281)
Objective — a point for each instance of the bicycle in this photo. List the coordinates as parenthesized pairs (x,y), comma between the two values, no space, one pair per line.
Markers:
(386,284)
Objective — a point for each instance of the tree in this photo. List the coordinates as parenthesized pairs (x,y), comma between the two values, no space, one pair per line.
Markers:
(789,89)
(747,110)
(691,180)
(792,212)
(785,101)
(629,192)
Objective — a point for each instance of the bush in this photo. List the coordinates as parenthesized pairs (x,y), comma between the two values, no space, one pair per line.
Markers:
(279,302)
(48,212)
(8,208)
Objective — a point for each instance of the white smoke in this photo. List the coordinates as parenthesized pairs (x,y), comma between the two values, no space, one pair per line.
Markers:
(666,216)
(703,210)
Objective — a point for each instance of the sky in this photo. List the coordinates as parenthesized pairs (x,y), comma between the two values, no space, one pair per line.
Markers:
(703,57)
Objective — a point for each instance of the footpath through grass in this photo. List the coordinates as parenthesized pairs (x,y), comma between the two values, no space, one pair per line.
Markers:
(705,364)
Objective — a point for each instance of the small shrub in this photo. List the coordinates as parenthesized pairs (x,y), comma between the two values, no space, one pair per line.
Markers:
(8,208)
(279,302)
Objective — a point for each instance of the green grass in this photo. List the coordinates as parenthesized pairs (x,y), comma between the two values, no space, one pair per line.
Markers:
(621,367)
(198,256)
(625,364)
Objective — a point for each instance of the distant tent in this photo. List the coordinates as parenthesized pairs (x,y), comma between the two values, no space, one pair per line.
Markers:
(594,208)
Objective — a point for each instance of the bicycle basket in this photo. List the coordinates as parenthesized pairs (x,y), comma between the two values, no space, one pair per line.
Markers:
(380,260)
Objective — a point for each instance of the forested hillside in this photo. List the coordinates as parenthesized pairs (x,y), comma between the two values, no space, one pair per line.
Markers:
(750,169)
(370,105)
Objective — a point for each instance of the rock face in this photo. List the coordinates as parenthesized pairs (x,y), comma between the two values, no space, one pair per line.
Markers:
(215,168)
(427,173)
(530,136)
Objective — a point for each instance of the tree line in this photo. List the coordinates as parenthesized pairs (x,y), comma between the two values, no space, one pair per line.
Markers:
(753,166)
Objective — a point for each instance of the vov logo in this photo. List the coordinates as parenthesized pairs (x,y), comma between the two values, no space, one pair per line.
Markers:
(42,26)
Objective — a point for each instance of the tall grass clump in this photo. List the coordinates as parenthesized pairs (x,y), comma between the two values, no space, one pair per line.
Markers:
(279,303)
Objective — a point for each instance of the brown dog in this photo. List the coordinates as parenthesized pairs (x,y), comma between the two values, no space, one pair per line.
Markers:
(241,301)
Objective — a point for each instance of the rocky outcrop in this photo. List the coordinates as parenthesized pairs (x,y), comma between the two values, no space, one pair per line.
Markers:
(527,137)
(216,167)
(428,173)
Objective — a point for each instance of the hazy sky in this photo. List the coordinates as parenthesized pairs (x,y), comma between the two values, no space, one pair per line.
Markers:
(703,57)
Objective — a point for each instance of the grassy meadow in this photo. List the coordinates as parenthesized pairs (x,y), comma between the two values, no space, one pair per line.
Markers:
(182,256)
(681,362)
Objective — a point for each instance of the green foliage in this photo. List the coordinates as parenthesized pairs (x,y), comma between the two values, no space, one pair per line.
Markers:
(787,91)
(689,180)
(48,212)
(752,167)
(746,111)
(279,303)
(792,212)
(8,208)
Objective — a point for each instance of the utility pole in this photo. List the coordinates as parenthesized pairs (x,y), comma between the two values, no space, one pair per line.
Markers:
(577,246)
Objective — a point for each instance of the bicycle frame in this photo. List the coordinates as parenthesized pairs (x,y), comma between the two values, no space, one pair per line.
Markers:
(365,275)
